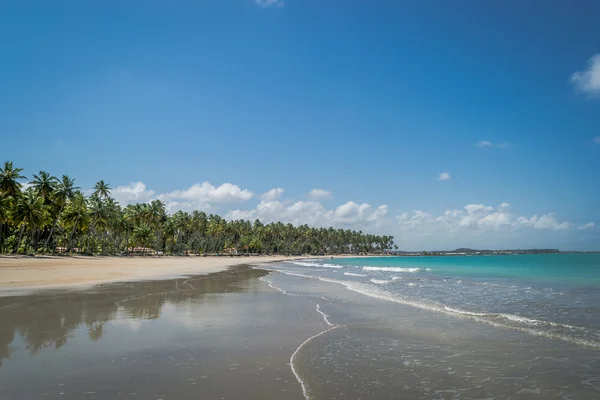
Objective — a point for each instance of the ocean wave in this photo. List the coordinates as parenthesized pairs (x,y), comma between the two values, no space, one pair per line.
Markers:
(314,264)
(536,322)
(391,269)
(353,274)
(568,333)
(380,281)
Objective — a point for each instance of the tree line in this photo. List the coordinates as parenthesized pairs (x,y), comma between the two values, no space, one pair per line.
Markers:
(50,215)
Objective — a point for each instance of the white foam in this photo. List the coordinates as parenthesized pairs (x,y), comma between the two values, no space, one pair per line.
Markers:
(302,384)
(314,264)
(489,318)
(262,278)
(391,269)
(325,316)
(380,281)
(353,274)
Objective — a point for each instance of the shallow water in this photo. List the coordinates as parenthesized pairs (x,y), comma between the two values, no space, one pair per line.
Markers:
(387,349)
(556,295)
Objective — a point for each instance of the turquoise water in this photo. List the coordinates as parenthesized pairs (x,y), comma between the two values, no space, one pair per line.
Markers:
(550,295)
(575,269)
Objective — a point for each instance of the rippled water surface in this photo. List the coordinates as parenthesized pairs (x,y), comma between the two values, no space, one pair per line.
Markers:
(454,327)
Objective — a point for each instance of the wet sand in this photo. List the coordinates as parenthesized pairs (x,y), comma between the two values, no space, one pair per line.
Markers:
(25,274)
(220,336)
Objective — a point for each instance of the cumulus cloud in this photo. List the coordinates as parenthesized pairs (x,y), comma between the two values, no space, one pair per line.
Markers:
(481,217)
(272,194)
(269,3)
(200,196)
(444,176)
(135,192)
(588,80)
(474,225)
(316,194)
(589,225)
(348,215)
(488,144)
(205,192)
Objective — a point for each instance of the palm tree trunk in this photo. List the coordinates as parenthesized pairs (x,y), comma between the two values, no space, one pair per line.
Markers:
(72,233)
(20,237)
(52,229)
(36,239)
(105,235)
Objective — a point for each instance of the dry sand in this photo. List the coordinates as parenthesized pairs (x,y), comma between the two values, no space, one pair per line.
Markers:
(24,274)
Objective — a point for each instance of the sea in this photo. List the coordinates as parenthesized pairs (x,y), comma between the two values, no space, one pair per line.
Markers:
(473,327)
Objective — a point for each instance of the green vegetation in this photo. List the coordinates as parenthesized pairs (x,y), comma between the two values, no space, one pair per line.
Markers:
(53,215)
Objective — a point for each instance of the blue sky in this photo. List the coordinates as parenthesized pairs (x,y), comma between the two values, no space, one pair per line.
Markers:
(370,101)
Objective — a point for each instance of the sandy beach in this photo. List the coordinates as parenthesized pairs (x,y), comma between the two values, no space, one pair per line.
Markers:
(275,335)
(24,274)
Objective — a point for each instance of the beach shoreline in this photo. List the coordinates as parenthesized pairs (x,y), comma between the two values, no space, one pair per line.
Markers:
(21,274)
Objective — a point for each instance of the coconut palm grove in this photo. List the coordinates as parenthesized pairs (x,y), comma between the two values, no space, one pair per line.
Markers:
(52,215)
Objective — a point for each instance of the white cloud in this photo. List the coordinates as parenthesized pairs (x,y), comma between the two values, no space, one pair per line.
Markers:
(589,225)
(480,226)
(546,221)
(444,176)
(200,196)
(474,225)
(205,192)
(272,194)
(487,143)
(588,80)
(173,206)
(135,192)
(269,3)
(349,215)
(472,208)
(316,194)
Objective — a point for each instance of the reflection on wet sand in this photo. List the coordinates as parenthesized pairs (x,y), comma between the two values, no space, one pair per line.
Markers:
(47,318)
(172,339)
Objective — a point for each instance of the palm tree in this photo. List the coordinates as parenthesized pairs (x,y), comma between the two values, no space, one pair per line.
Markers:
(143,236)
(99,215)
(101,190)
(98,221)
(43,184)
(5,209)
(30,211)
(75,215)
(63,192)
(9,179)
